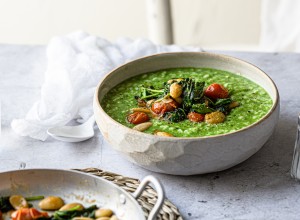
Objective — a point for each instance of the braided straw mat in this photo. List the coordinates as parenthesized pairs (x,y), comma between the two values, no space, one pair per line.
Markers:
(148,198)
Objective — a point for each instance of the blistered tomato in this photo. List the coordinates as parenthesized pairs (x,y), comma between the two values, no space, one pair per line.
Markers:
(28,214)
(137,118)
(216,91)
(163,106)
(195,117)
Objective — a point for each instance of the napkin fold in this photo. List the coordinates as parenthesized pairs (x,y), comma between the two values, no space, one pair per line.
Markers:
(76,63)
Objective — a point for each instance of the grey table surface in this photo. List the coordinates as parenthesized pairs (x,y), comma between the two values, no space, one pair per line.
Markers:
(259,188)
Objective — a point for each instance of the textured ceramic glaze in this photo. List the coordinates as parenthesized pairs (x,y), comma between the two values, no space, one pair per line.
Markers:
(186,156)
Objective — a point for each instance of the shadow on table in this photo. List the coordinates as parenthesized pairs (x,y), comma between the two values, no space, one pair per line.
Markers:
(268,169)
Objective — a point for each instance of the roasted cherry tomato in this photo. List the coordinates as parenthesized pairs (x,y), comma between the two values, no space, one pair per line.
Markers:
(137,118)
(37,214)
(163,106)
(195,117)
(216,91)
(28,214)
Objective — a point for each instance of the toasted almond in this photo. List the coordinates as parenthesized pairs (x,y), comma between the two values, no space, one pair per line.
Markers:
(141,103)
(149,103)
(233,105)
(162,133)
(167,100)
(143,126)
(145,110)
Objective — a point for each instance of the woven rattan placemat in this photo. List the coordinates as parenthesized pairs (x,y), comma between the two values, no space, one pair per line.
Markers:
(147,200)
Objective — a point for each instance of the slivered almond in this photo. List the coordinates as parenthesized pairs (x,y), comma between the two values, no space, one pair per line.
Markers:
(143,126)
(145,110)
(149,103)
(162,133)
(233,105)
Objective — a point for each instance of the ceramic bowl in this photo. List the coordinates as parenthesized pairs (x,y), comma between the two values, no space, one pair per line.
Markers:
(186,156)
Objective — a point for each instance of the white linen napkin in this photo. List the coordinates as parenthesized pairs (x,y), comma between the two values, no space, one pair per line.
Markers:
(76,63)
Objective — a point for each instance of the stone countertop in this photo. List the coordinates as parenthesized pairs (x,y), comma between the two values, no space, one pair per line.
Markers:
(259,188)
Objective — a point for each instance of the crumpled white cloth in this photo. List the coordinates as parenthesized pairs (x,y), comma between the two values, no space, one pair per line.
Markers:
(76,63)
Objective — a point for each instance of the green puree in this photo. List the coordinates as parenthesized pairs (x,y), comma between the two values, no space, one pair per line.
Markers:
(254,101)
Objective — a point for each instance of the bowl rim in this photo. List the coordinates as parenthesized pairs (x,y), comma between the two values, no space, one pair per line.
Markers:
(272,109)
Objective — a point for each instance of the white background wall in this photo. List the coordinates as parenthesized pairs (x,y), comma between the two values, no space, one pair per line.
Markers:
(218,24)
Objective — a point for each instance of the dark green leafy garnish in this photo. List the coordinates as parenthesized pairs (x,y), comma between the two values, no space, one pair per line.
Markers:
(149,93)
(175,116)
(192,92)
(221,105)
(191,97)
(5,205)
(201,108)
(34,198)
(75,212)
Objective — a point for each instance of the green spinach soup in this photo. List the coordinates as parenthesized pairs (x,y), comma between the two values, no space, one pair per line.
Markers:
(187,102)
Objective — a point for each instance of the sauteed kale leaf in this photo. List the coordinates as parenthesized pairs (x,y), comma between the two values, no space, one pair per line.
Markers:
(5,205)
(192,92)
(202,108)
(147,93)
(221,105)
(75,212)
(176,115)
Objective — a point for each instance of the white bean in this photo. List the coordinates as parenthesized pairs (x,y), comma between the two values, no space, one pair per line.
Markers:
(18,202)
(175,90)
(51,203)
(103,213)
(214,118)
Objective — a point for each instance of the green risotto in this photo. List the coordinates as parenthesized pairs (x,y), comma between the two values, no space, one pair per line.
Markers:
(253,101)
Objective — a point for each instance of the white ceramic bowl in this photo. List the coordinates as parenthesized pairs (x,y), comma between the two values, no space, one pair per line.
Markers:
(186,156)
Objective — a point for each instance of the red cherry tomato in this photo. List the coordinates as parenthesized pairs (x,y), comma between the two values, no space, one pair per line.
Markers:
(216,91)
(27,214)
(163,106)
(195,117)
(137,118)
(37,214)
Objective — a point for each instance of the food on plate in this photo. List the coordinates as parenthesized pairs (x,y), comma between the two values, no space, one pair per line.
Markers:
(18,202)
(28,214)
(187,102)
(17,207)
(51,203)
